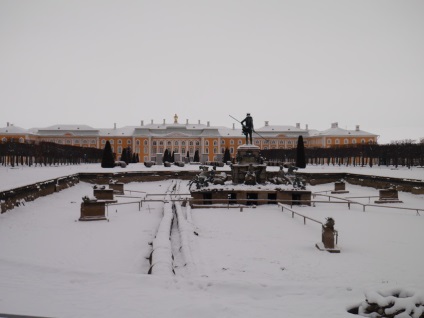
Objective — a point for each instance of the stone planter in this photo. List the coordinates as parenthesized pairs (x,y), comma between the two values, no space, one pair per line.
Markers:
(339,187)
(388,196)
(93,211)
(103,194)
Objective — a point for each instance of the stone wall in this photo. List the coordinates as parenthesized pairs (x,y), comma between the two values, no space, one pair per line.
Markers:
(18,196)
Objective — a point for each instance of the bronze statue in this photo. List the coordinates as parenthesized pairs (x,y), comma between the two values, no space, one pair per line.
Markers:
(247,126)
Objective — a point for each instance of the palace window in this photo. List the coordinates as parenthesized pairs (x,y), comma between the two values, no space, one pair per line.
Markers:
(111,141)
(68,142)
(337,141)
(207,150)
(129,142)
(183,143)
(21,140)
(85,141)
(161,143)
(119,142)
(176,143)
(76,141)
(346,141)
(231,142)
(119,149)
(222,141)
(353,141)
(362,141)
(207,143)
(190,143)
(257,142)
(329,141)
(239,142)
(215,150)
(281,142)
(168,143)
(4,139)
(215,143)
(103,141)
(231,150)
(197,143)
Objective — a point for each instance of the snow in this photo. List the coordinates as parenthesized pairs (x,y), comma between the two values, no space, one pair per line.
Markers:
(260,262)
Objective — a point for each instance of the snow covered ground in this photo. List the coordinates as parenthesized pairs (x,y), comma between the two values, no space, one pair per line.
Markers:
(257,263)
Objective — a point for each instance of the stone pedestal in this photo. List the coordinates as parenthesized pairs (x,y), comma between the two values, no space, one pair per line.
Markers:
(204,157)
(159,158)
(388,196)
(103,194)
(93,211)
(328,238)
(339,187)
(249,162)
(117,187)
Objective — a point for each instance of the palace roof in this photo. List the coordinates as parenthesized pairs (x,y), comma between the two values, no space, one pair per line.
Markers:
(14,130)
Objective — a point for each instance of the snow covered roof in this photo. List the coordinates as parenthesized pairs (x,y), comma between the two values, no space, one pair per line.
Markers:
(126,131)
(225,132)
(68,127)
(280,129)
(14,130)
(336,131)
(174,126)
(75,130)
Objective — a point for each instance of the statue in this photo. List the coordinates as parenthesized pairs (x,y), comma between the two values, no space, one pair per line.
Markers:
(281,177)
(247,126)
(250,177)
(206,176)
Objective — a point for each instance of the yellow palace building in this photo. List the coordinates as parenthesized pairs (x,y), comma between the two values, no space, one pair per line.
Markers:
(151,139)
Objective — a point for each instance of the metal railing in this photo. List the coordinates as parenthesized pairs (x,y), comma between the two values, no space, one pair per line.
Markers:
(364,205)
(336,233)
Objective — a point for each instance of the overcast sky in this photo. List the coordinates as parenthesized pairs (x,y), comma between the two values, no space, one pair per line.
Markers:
(301,61)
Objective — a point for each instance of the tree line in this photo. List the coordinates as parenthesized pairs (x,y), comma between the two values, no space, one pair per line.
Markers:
(46,153)
(395,154)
